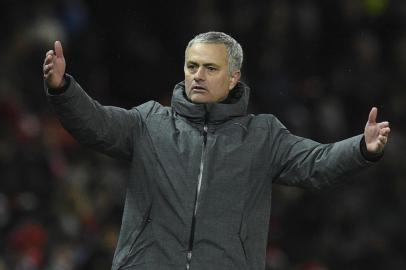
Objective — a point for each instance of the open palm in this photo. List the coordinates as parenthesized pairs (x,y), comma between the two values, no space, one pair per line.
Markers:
(54,66)
(376,134)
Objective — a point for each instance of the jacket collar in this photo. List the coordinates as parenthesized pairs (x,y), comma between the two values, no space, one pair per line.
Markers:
(213,113)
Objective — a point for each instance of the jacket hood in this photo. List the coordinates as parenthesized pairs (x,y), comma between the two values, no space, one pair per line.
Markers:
(215,113)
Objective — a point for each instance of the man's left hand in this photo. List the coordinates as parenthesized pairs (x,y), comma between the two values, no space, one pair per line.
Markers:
(376,134)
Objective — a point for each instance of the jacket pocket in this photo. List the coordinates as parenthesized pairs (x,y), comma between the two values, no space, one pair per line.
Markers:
(137,236)
(243,248)
(133,242)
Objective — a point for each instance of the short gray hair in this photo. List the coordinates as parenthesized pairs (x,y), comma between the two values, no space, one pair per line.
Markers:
(234,49)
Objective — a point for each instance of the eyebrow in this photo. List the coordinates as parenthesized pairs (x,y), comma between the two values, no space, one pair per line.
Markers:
(205,65)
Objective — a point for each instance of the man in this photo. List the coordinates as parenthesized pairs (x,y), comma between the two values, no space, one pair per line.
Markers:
(199,195)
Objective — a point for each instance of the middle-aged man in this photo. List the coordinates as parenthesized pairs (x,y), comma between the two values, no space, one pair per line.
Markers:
(199,194)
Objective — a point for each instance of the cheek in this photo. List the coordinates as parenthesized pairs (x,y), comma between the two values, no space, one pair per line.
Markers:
(188,83)
(223,86)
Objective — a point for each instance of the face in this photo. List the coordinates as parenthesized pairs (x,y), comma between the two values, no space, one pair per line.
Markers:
(207,77)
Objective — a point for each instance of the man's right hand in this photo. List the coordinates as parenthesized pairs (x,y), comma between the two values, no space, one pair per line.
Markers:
(54,67)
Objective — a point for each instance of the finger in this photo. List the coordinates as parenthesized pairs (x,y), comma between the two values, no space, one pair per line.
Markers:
(384,131)
(383,139)
(383,124)
(58,49)
(48,74)
(50,52)
(372,115)
(48,59)
(48,67)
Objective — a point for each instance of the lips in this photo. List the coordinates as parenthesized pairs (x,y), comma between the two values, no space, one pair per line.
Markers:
(198,88)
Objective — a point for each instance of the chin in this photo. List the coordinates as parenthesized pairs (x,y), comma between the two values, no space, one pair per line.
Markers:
(197,98)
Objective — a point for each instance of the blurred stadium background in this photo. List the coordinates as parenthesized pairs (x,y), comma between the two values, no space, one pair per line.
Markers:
(317,65)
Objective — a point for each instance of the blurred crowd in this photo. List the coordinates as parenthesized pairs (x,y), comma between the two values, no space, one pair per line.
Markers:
(319,66)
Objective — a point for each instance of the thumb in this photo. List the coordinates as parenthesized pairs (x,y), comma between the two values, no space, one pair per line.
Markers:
(372,115)
(58,49)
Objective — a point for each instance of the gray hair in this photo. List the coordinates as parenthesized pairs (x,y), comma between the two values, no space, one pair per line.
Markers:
(234,49)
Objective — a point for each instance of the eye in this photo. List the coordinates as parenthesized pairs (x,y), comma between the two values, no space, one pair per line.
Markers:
(210,68)
(191,67)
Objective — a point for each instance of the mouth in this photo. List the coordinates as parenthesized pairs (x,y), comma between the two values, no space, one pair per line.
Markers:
(198,88)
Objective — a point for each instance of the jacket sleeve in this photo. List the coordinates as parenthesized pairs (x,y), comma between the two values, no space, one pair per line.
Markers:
(303,162)
(107,129)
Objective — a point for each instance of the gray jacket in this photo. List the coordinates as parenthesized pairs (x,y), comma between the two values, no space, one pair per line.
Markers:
(199,195)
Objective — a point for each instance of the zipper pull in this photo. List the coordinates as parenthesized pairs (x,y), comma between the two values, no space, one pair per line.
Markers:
(205,125)
(205,129)
(188,259)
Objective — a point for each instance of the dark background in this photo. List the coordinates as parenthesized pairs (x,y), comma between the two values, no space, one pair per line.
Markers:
(319,66)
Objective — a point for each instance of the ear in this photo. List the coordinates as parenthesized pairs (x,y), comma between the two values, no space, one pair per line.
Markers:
(234,78)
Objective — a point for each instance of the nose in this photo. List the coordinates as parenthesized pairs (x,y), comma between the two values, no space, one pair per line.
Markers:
(200,74)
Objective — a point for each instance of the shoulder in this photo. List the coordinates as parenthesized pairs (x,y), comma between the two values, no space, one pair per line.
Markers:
(151,108)
(269,121)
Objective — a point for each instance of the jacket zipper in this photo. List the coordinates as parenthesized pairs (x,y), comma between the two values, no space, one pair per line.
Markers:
(199,184)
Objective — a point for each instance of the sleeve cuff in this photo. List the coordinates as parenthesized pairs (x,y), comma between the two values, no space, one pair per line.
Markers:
(367,155)
(58,91)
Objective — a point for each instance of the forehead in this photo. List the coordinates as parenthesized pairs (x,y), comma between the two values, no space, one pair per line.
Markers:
(207,53)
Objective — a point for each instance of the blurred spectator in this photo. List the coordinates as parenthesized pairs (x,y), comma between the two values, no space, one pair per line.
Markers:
(318,65)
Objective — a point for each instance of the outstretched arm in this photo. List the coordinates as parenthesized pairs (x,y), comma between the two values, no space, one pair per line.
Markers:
(303,162)
(107,129)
